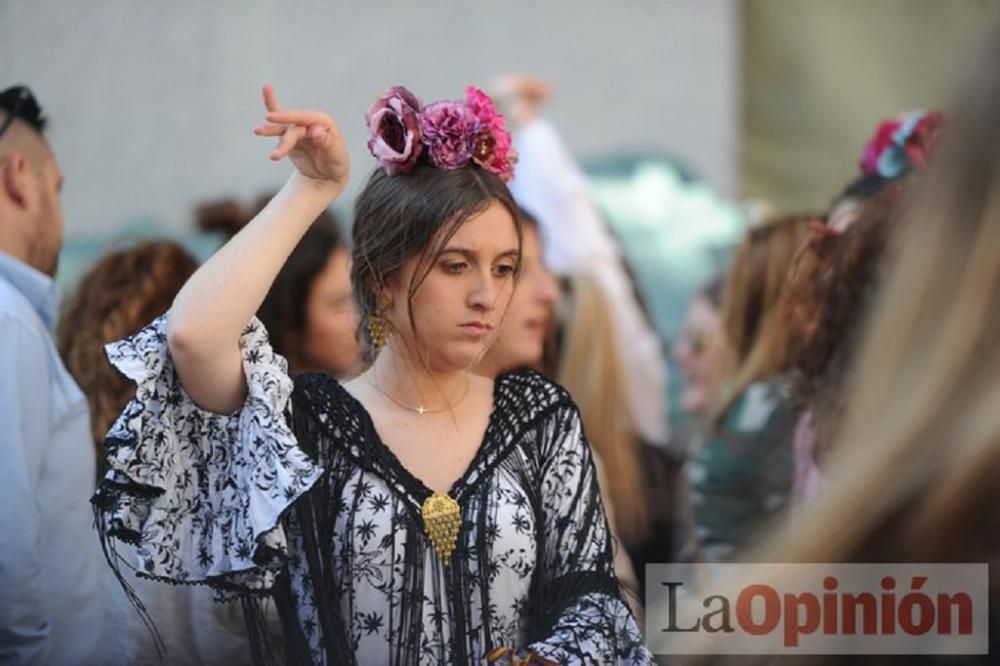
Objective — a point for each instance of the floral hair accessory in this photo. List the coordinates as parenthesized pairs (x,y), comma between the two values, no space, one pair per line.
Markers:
(902,144)
(447,134)
(394,135)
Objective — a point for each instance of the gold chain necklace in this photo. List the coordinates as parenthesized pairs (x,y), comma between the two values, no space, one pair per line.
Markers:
(420,409)
(441,514)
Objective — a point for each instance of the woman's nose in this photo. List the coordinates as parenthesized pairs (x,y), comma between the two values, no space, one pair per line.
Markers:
(485,292)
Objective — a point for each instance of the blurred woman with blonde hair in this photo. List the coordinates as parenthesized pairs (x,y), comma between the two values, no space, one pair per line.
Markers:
(635,476)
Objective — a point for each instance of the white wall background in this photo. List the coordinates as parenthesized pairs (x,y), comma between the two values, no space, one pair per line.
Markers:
(152,102)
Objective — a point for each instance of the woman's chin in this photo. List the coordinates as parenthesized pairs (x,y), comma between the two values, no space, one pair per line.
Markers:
(459,357)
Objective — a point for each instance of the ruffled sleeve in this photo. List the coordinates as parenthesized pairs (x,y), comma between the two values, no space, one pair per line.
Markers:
(200,494)
(585,618)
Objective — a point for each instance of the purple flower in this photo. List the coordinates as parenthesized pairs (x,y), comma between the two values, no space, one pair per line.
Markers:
(394,136)
(449,132)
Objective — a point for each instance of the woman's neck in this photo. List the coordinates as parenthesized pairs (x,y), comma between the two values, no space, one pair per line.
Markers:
(414,385)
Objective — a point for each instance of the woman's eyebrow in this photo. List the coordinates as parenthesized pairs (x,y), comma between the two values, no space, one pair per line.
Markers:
(472,254)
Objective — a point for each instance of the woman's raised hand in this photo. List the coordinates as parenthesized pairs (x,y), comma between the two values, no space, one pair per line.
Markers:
(310,139)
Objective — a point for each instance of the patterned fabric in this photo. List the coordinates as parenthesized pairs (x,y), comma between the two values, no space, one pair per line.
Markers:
(296,496)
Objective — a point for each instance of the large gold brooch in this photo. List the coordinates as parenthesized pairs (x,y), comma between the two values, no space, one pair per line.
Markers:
(442,519)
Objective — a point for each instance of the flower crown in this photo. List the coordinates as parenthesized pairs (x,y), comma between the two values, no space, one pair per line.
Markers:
(449,134)
(901,144)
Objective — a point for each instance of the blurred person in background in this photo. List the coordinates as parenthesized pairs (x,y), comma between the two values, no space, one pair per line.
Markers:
(740,477)
(912,475)
(835,278)
(122,292)
(553,188)
(830,294)
(700,353)
(309,311)
(53,607)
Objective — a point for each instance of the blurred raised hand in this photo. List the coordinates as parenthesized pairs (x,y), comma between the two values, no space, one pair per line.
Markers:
(523,95)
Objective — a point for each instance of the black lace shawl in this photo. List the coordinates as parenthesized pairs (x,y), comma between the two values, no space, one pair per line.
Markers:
(322,520)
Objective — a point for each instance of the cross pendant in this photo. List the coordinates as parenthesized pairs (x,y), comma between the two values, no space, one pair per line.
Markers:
(421,410)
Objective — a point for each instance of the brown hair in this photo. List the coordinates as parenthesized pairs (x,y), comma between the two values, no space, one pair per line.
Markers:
(397,218)
(284,309)
(752,294)
(828,299)
(124,291)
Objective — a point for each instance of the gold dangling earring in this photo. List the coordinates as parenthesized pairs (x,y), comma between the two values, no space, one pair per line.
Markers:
(378,325)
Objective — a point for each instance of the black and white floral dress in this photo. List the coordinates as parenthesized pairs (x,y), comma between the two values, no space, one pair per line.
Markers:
(295,499)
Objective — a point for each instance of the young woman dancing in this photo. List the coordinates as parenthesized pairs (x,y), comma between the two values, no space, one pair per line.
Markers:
(418,514)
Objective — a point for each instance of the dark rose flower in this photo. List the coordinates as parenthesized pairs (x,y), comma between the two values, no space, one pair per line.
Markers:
(394,136)
(449,130)
(484,147)
(492,151)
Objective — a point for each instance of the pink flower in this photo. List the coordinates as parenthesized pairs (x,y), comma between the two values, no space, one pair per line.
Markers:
(902,144)
(394,135)
(481,104)
(449,130)
(881,140)
(491,149)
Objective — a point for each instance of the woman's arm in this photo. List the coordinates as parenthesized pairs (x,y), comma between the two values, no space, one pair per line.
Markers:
(214,306)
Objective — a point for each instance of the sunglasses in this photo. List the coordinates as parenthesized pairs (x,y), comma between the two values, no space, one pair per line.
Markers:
(23,99)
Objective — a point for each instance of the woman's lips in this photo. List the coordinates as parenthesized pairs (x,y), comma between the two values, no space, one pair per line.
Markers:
(476,328)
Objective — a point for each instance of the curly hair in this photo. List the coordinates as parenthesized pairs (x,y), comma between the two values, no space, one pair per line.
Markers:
(124,291)
(829,296)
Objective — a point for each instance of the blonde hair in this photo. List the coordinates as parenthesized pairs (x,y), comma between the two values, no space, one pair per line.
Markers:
(124,291)
(914,473)
(752,304)
(592,371)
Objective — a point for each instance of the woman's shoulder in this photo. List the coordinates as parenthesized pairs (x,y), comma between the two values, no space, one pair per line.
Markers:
(526,397)
(324,398)
(530,388)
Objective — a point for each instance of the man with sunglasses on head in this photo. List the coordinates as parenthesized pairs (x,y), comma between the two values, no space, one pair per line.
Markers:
(51,605)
